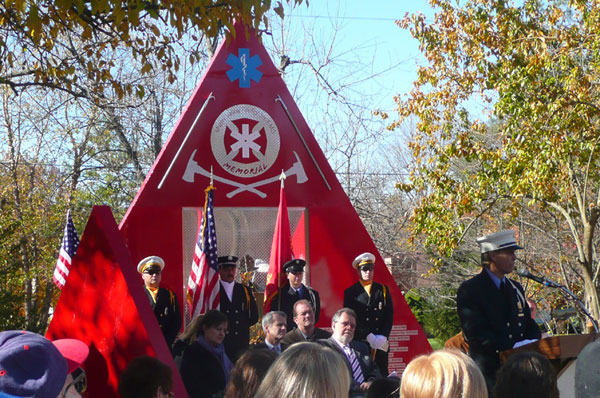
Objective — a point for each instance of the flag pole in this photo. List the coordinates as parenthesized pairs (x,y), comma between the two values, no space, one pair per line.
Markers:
(281,252)
(282,178)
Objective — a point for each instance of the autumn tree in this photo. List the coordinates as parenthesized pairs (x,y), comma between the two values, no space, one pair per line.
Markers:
(534,67)
(61,44)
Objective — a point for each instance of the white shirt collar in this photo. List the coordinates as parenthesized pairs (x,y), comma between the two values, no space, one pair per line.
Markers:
(228,287)
(271,346)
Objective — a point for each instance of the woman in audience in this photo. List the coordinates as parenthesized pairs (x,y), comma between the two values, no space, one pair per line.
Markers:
(248,372)
(146,377)
(443,374)
(526,375)
(306,370)
(201,358)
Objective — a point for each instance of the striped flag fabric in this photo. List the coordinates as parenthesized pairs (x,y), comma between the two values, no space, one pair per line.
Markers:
(68,249)
(203,283)
(281,252)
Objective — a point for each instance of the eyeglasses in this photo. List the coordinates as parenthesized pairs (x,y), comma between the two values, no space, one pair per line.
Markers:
(366,268)
(79,381)
(152,272)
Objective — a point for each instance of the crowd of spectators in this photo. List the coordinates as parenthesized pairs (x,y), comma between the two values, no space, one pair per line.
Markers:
(32,366)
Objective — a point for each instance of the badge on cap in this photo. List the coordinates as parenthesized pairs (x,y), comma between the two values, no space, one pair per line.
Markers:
(227,261)
(295,265)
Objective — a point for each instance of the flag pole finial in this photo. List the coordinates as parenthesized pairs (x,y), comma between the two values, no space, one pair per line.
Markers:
(282,178)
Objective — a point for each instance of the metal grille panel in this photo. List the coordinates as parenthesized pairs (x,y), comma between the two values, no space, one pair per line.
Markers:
(246,231)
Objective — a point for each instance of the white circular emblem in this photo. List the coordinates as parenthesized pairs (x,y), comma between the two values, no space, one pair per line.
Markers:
(245,140)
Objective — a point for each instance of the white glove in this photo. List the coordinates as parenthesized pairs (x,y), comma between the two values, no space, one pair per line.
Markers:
(372,339)
(381,342)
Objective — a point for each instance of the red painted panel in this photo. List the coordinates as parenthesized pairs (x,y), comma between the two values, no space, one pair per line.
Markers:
(104,305)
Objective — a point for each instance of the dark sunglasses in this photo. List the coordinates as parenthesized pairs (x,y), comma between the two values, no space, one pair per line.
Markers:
(152,272)
(79,381)
(366,268)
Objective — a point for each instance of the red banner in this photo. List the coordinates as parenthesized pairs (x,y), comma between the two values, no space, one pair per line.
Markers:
(281,252)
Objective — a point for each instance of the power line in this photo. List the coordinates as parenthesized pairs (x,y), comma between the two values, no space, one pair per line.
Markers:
(348,18)
(129,167)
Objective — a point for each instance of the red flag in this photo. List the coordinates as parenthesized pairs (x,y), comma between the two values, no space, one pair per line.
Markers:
(281,252)
(203,283)
(68,249)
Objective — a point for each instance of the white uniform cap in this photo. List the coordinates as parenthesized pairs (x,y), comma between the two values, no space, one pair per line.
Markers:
(365,258)
(148,261)
(498,241)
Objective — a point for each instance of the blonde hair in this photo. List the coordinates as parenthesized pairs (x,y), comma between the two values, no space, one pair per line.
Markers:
(443,374)
(306,370)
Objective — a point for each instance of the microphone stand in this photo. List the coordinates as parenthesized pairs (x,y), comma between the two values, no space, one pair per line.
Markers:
(579,302)
(581,305)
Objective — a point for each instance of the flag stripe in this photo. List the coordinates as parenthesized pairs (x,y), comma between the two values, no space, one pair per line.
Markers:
(68,248)
(203,287)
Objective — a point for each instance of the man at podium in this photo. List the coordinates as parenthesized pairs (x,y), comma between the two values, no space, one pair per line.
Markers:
(492,308)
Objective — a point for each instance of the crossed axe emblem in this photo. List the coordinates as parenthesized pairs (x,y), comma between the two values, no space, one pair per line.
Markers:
(194,168)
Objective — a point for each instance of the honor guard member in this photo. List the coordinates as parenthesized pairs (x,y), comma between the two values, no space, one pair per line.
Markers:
(238,303)
(295,290)
(163,301)
(374,309)
(493,311)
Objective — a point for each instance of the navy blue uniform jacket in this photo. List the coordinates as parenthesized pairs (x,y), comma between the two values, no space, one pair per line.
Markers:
(492,322)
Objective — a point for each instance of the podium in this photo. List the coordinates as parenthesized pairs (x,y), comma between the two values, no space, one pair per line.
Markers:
(562,351)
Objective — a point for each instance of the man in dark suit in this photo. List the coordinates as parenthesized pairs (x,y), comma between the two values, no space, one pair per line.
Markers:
(358,358)
(239,304)
(274,326)
(295,290)
(374,309)
(304,318)
(163,301)
(493,311)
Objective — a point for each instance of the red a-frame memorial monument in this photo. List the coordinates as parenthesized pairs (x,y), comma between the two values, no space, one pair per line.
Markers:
(242,124)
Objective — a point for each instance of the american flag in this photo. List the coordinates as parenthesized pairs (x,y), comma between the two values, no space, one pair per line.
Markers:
(68,249)
(203,283)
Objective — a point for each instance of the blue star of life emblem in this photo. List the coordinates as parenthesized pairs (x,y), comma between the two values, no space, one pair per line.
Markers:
(243,67)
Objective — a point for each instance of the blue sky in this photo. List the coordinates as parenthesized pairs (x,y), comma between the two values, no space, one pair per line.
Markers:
(372,26)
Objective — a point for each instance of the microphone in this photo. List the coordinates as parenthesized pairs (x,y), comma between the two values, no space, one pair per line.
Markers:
(539,279)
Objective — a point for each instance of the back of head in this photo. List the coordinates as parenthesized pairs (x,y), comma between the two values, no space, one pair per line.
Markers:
(443,374)
(587,372)
(143,376)
(248,372)
(306,370)
(526,375)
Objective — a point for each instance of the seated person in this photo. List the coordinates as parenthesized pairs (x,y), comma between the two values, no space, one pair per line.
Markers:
(304,318)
